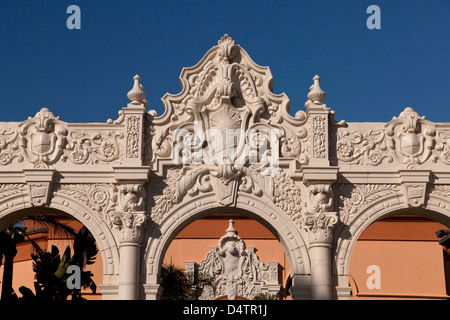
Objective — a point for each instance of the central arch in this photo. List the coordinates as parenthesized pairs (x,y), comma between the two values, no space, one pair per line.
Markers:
(160,236)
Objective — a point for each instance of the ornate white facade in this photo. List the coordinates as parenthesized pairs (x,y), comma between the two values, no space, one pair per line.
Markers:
(136,181)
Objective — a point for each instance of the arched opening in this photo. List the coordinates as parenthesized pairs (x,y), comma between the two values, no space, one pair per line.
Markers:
(399,257)
(41,235)
(196,240)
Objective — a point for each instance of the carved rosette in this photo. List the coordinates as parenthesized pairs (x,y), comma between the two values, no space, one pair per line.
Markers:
(100,197)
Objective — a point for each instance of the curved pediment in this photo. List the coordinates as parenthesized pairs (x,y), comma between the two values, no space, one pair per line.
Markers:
(225,90)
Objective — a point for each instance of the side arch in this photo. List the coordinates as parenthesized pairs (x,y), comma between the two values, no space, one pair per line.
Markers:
(160,236)
(18,206)
(436,208)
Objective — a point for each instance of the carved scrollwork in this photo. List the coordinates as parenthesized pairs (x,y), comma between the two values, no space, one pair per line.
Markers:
(366,148)
(353,198)
(189,181)
(408,138)
(96,147)
(45,139)
(226,90)
(9,147)
(100,197)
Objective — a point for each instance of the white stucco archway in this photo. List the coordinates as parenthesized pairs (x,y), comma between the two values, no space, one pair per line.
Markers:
(435,208)
(18,206)
(160,236)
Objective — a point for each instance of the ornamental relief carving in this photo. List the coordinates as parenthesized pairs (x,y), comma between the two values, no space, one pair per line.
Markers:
(232,270)
(101,198)
(45,139)
(227,184)
(133,136)
(319,136)
(8,190)
(122,207)
(226,90)
(95,148)
(353,198)
(408,139)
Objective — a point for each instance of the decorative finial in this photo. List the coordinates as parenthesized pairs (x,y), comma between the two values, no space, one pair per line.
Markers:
(231,231)
(226,45)
(136,94)
(316,95)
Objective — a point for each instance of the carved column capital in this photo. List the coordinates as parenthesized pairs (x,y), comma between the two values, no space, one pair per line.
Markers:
(131,226)
(320,227)
(130,218)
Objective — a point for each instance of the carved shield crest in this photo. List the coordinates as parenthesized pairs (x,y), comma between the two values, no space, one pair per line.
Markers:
(411,144)
(41,143)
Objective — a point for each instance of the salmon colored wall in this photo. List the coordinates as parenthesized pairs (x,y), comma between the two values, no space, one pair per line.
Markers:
(23,274)
(193,242)
(409,257)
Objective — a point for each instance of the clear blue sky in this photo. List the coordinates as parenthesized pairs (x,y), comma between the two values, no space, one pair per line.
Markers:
(84,75)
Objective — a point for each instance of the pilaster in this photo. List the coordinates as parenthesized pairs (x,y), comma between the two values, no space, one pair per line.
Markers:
(318,176)
(130,218)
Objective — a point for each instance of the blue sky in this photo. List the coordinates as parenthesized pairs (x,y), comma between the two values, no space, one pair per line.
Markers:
(84,75)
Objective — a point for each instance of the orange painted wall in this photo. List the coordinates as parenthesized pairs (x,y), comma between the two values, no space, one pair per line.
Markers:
(409,257)
(412,263)
(23,274)
(193,242)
